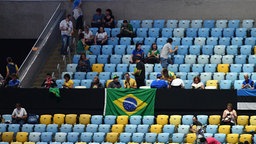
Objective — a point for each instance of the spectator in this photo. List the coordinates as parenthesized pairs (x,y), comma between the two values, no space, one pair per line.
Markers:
(97,20)
(196,125)
(247,83)
(80,47)
(101,37)
(115,83)
(129,82)
(229,115)
(83,64)
(19,115)
(109,20)
(126,30)
(1,81)
(137,52)
(88,36)
(96,83)
(209,140)
(166,50)
(68,83)
(197,84)
(49,82)
(78,15)
(14,82)
(66,28)
(159,82)
(153,55)
(168,76)
(139,72)
(11,68)
(177,82)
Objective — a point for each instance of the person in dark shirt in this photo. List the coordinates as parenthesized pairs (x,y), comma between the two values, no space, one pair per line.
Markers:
(115,83)
(96,83)
(98,18)
(126,30)
(159,83)
(109,20)
(49,82)
(139,72)
(11,68)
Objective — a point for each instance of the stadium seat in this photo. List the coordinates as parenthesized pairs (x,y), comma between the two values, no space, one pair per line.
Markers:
(204,32)
(104,128)
(95,49)
(232,50)
(211,128)
(212,41)
(221,137)
(238,84)
(154,32)
(172,23)
(115,31)
(232,138)
(34,136)
(86,83)
(107,49)
(237,41)
(249,41)
(216,32)
(224,41)
(231,76)
(78,128)
(115,59)
(245,137)
(210,68)
(162,119)
(52,128)
(179,32)
(126,59)
(191,32)
(122,68)
(248,68)
(97,68)
(214,119)
(197,68)
(218,76)
(209,23)
(191,138)
(156,128)
(253,32)
(169,128)
(178,137)
(147,23)
(109,68)
(179,59)
(235,23)
(203,119)
(229,32)
(86,137)
(7,137)
(247,23)
(73,137)
(241,32)
(227,59)
(205,76)
(84,119)
(27,127)
(173,67)
(113,41)
(163,137)
(46,136)
(194,50)
(147,119)
(187,119)
(22,137)
(137,137)
(142,32)
(150,137)
(138,40)
(94,30)
(130,128)
(96,119)
(159,23)
(221,23)
(143,128)
(92,128)
(102,59)
(207,50)
(182,50)
(112,137)
(196,23)
(203,59)
(226,129)
(79,75)
(250,128)
(246,50)
(237,129)
(125,137)
(71,67)
(175,120)
(167,32)
(60,137)
(223,68)
(187,84)
(219,50)
(119,49)
(158,68)
(200,41)
(98,137)
(176,41)
(191,75)
(125,41)
(122,119)
(240,59)
(135,23)
(188,41)
(225,84)
(65,72)
(66,128)
(190,59)
(13,128)
(184,23)
(185,68)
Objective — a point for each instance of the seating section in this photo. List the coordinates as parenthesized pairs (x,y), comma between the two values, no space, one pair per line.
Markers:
(87,128)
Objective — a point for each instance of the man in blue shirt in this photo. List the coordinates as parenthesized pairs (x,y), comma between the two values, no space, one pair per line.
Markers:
(247,83)
(159,83)
(14,82)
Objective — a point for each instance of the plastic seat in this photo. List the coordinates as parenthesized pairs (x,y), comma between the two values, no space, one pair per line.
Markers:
(219,50)
(172,23)
(195,50)
(162,119)
(125,41)
(13,128)
(198,68)
(187,119)
(237,129)
(241,32)
(71,67)
(143,128)
(191,75)
(226,129)
(235,23)
(238,84)
(214,119)
(203,32)
(78,128)
(216,32)
(113,41)
(211,128)
(245,137)
(73,137)
(97,68)
(163,137)
(184,23)
(229,32)
(205,76)
(173,67)
(104,75)
(207,50)
(191,138)
(196,23)
(182,50)
(109,67)
(126,59)
(86,83)
(240,59)
(203,59)
(86,137)
(212,84)
(148,119)
(52,128)
(142,32)
(210,68)
(3,127)
(183,75)
(209,23)
(39,127)
(46,136)
(159,23)
(225,84)
(60,137)
(179,32)
(168,128)
(237,41)
(135,23)
(232,50)
(222,23)
(227,59)
(167,32)
(117,128)
(249,41)
(92,128)
(135,119)
(188,41)
(232,76)
(253,32)
(130,128)
(248,68)
(119,49)
(110,119)
(253,76)
(122,68)
(147,23)
(156,128)
(203,119)
(200,41)
(66,128)
(112,137)
(191,32)
(179,59)
(224,41)
(34,136)
(91,75)
(21,136)
(65,72)
(158,68)
(75,58)
(178,137)
(184,68)
(138,40)
(7,136)
(190,59)
(107,49)
(250,128)
(247,23)
(223,68)
(137,137)
(176,41)
(96,119)
(115,31)
(232,138)
(59,119)
(246,50)
(149,40)
(154,32)
(27,128)
(95,49)
(221,137)
(102,59)
(187,84)
(175,120)
(161,40)
(104,128)
(98,137)
(122,119)
(125,137)
(149,68)
(80,75)
(150,137)
(131,67)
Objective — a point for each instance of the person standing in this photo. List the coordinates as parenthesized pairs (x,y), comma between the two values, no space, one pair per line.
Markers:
(19,115)
(166,50)
(66,28)
(78,15)
(129,82)
(139,72)
(11,68)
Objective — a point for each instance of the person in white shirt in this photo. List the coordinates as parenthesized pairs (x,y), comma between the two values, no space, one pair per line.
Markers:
(197,84)
(166,50)
(66,28)
(177,82)
(88,35)
(101,37)
(19,115)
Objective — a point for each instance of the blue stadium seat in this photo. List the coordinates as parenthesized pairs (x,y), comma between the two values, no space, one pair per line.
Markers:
(161,40)
(163,137)
(65,128)
(3,127)
(104,75)
(248,23)
(104,128)
(172,23)
(108,31)
(212,41)
(225,84)
(173,67)
(135,23)
(158,67)
(187,84)
(187,119)
(221,23)
(122,68)
(187,41)
(253,76)
(126,59)
(227,59)
(203,119)
(248,68)
(154,32)
(95,49)
(250,41)
(210,68)
(115,59)
(102,59)
(197,68)
(246,50)
(169,128)
(179,59)
(149,67)
(40,128)
(86,137)
(91,75)
(232,50)
(190,59)
(235,23)
(203,32)
(182,50)
(27,127)
(59,83)
(200,41)
(52,128)
(183,75)
(110,67)
(107,49)
(78,128)
(184,67)
(92,58)
(130,128)
(149,40)
(196,23)
(142,32)
(72,137)
(34,136)
(228,32)
(143,128)
(237,129)
(237,41)
(221,137)
(113,40)
(147,23)
(194,50)
(216,32)
(252,59)
(110,119)
(77,82)
(71,67)
(125,41)
(92,128)
(129,49)
(120,49)
(115,31)
(215,59)
(135,119)
(238,84)
(253,32)
(138,40)
(240,59)
(148,119)
(98,137)
(176,41)
(207,49)
(125,137)
(211,129)
(191,32)
(179,32)
(184,23)
(209,23)
(46,136)
(76,58)
(167,32)
(178,137)
(146,49)
(150,137)
(232,76)
(218,76)
(138,137)
(219,50)
(159,23)
(241,32)
(203,59)
(86,83)
(94,30)
(205,76)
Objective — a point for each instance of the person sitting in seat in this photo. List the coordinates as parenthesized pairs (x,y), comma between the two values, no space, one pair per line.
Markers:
(49,82)
(115,83)
(177,82)
(129,82)
(159,82)
(96,83)
(19,115)
(83,64)
(126,30)
(153,55)
(197,84)
(68,82)
(101,37)
(247,83)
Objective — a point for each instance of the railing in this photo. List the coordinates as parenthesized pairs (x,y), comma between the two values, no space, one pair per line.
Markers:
(47,40)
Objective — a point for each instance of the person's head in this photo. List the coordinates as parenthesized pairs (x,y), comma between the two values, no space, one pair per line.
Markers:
(246,76)
(246,142)
(138,46)
(108,12)
(18,106)
(159,76)
(82,56)
(67,77)
(203,140)
(169,40)
(127,76)
(229,107)
(86,28)
(68,17)
(196,79)
(81,36)
(153,46)
(115,78)
(96,79)
(137,59)
(194,118)
(165,72)
(98,10)
(48,76)
(9,59)
(125,22)
(101,29)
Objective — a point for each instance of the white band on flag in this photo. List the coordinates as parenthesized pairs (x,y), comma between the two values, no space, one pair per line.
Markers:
(246,105)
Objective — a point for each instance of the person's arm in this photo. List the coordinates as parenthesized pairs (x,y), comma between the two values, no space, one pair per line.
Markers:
(105,38)
(95,38)
(224,115)
(202,86)
(25,114)
(71,84)
(131,59)
(175,49)
(43,84)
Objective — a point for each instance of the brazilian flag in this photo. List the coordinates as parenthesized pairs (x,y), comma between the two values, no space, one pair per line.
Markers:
(129,101)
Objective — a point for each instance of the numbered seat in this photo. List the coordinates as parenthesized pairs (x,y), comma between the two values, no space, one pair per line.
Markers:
(224,41)
(210,23)
(241,32)
(172,23)
(194,50)
(184,23)
(204,32)
(142,32)
(197,23)
(200,41)
(167,32)
(191,32)
(147,23)
(225,84)
(154,32)
(216,32)
(159,23)
(229,32)
(247,23)
(237,41)
(207,50)
(179,32)
(187,41)
(235,23)
(232,50)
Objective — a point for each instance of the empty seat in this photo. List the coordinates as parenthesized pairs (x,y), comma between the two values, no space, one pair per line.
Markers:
(247,23)
(210,67)
(246,50)
(196,23)
(191,32)
(216,32)
(203,32)
(167,32)
(135,23)
(159,23)
(184,23)
(125,41)
(203,59)
(241,32)
(218,76)
(178,59)
(237,41)
(115,59)
(225,84)
(207,50)
(228,32)
(232,50)
(240,59)
(146,23)
(219,50)
(182,50)
(190,59)
(195,50)
(212,41)
(224,41)
(200,41)
(248,68)
(223,68)
(198,68)
(209,23)
(154,32)
(187,41)
(110,67)
(179,32)
(142,32)
(235,23)
(215,59)
(238,84)
(222,23)
(171,23)
(228,59)
(191,75)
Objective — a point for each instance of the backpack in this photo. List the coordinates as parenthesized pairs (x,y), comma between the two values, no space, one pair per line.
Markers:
(32,119)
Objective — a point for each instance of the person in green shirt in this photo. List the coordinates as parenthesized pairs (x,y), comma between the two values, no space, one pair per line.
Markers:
(153,55)
(126,30)
(81,46)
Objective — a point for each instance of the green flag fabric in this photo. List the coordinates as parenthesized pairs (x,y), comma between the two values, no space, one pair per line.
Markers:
(129,101)
(55,91)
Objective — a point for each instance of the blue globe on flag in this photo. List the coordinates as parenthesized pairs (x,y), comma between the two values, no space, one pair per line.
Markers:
(130,104)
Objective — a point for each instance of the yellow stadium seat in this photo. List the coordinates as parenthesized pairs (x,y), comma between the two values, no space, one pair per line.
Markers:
(224,129)
(175,120)
(46,119)
(191,137)
(211,84)
(245,137)
(253,120)
(133,143)
(7,136)
(117,128)
(85,119)
(59,119)
(71,119)
(232,138)
(214,119)
(29,142)
(250,128)
(108,81)
(223,68)
(80,143)
(112,137)
(122,119)
(22,136)
(162,119)
(242,120)
(156,128)
(97,67)
(15,142)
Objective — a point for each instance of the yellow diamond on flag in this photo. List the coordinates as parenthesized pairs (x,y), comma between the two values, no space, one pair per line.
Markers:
(130,104)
